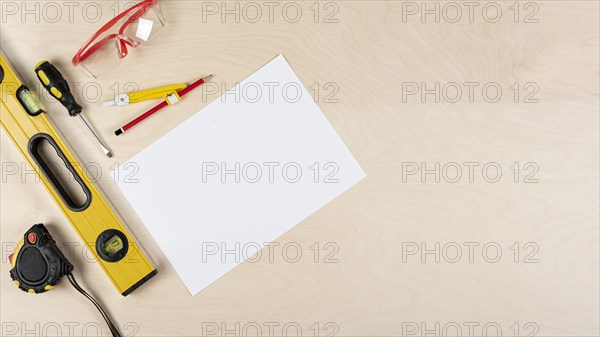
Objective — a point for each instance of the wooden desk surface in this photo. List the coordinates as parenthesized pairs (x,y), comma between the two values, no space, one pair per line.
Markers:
(492,85)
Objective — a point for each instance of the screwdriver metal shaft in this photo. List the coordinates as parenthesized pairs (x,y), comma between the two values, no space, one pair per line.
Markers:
(98,140)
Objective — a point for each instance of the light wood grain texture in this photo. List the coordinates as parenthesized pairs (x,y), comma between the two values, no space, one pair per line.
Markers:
(372,55)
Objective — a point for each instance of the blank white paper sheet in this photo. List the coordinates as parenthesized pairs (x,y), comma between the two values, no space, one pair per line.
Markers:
(238,174)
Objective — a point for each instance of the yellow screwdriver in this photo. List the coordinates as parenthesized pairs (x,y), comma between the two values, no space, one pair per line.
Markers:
(58,87)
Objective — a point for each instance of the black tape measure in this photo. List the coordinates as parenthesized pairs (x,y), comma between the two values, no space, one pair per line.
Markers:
(38,265)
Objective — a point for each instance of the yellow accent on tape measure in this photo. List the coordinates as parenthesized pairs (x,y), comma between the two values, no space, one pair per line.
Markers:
(95,221)
(31,291)
(48,287)
(13,263)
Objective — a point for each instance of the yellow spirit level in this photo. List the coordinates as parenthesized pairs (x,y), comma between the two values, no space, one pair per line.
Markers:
(96,223)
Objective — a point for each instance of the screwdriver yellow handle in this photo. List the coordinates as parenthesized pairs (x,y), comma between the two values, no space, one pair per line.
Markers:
(53,81)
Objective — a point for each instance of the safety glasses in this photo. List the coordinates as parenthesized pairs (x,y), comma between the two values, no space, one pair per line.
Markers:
(132,28)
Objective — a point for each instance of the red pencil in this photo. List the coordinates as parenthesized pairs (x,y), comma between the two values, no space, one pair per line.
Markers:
(163,104)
